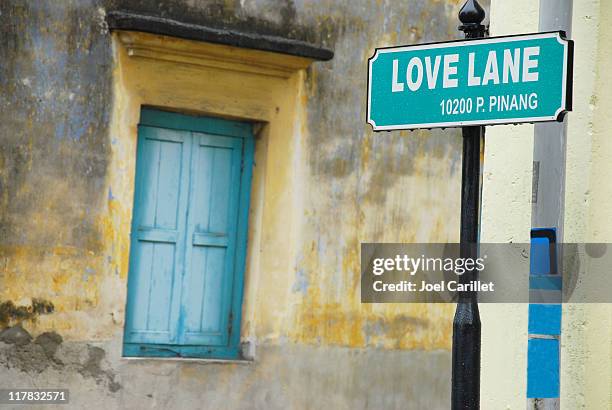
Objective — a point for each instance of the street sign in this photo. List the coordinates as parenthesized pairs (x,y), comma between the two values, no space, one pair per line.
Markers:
(495,80)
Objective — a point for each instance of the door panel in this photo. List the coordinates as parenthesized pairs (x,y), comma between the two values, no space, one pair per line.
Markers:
(213,207)
(160,179)
(157,246)
(206,283)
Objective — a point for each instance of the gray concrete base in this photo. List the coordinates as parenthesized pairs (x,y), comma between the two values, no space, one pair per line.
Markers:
(543,404)
(282,377)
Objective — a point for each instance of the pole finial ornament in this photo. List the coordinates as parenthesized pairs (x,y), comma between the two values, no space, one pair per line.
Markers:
(471,13)
(471,16)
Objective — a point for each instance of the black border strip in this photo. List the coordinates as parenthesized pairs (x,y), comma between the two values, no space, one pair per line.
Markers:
(121,20)
(551,235)
(569,87)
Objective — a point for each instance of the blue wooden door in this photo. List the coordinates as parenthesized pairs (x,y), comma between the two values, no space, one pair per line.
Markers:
(188,236)
(211,230)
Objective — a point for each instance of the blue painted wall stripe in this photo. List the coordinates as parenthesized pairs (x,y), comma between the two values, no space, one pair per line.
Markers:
(545,319)
(543,369)
(549,282)
(539,256)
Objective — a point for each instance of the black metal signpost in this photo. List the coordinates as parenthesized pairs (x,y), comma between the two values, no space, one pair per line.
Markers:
(466,324)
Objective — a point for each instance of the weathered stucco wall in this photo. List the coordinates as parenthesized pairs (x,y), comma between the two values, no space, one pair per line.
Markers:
(66,180)
(55,79)
(586,345)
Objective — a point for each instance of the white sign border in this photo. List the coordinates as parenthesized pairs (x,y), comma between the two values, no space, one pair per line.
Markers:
(567,58)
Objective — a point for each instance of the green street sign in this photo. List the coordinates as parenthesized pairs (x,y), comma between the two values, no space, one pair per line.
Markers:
(495,80)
